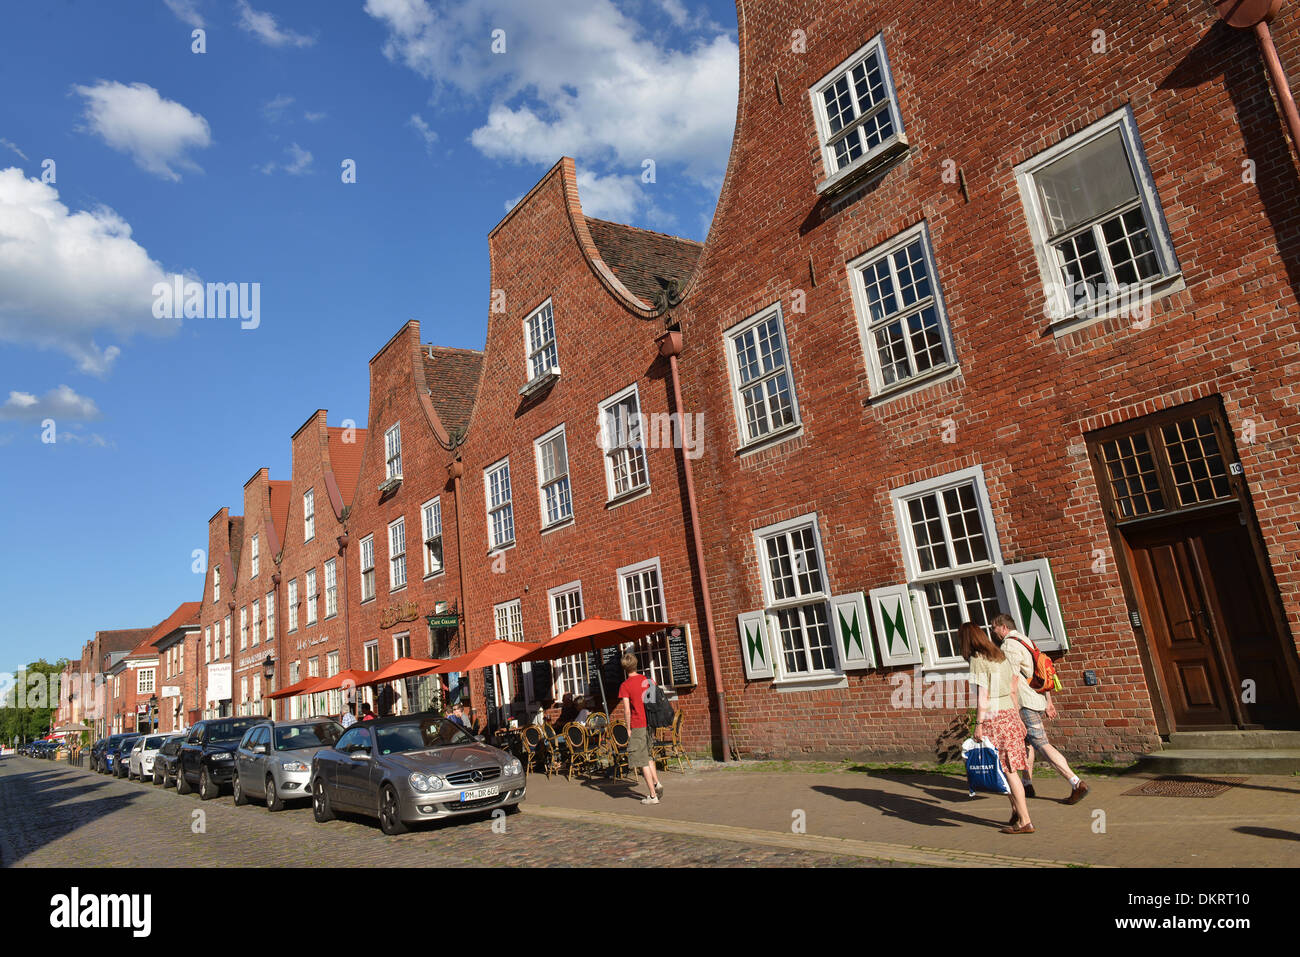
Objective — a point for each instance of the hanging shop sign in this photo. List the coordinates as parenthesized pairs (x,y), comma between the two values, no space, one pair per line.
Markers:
(402,611)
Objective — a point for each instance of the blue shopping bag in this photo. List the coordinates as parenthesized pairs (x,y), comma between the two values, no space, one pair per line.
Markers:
(983,767)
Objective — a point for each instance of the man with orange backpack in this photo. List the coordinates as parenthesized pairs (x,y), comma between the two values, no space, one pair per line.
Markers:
(1038,682)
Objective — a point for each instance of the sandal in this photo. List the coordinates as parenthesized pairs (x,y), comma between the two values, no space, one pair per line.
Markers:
(1019,829)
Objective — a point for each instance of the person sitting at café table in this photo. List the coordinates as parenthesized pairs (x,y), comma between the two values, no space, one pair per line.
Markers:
(568,712)
(367,713)
(584,713)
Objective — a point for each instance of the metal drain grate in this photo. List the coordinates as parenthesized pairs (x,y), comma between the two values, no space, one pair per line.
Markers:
(1185,786)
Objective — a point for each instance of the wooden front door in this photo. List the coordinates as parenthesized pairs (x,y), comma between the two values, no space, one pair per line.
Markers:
(1205,603)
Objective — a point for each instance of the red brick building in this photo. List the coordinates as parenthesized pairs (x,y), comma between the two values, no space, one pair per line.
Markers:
(314,606)
(178,642)
(572,488)
(399,573)
(132,680)
(997,312)
(93,698)
(217,616)
(266,509)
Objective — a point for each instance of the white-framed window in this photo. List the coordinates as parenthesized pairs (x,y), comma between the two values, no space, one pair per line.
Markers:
(207,645)
(500,505)
(539,341)
(243,628)
(312,596)
(331,664)
(431,528)
(900,310)
(313,668)
(509,621)
(331,588)
(257,621)
(952,558)
(295,671)
(292,601)
(370,655)
(243,695)
(856,108)
(309,515)
(227,629)
(144,681)
(622,438)
(270,616)
(796,597)
(254,556)
(641,593)
(760,377)
(552,454)
(402,645)
(572,674)
(1098,228)
(393,452)
(216,583)
(397,554)
(257,692)
(367,567)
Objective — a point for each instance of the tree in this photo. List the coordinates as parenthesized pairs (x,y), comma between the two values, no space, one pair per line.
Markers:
(36,688)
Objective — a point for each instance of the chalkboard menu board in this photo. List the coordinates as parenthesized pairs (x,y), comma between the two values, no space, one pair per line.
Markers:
(681,658)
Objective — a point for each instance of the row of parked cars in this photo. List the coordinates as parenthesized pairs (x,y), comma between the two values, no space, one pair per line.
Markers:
(42,749)
(400,770)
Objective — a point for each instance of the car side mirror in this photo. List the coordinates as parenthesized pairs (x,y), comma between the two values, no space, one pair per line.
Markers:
(259,749)
(359,755)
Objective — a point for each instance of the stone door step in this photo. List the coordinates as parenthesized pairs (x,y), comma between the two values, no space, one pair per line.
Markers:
(1234,740)
(1222,761)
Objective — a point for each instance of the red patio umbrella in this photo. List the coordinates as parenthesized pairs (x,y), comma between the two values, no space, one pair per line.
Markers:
(591,634)
(336,682)
(298,687)
(495,652)
(405,668)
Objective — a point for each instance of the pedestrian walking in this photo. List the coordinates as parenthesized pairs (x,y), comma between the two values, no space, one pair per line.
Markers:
(1034,706)
(997,717)
(632,693)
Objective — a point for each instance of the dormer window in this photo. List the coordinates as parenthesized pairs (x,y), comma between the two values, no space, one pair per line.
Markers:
(539,339)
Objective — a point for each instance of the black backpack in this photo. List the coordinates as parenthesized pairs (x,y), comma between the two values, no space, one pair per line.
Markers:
(658,712)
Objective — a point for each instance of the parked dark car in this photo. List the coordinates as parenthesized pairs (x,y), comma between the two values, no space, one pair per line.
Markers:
(273,761)
(122,754)
(207,759)
(418,767)
(108,756)
(96,752)
(167,760)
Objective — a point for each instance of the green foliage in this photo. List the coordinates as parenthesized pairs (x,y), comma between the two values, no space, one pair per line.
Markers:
(32,689)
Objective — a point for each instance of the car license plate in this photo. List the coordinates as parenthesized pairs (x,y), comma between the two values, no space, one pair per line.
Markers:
(478,793)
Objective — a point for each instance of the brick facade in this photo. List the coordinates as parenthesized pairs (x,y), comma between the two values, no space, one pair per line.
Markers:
(258,590)
(218,618)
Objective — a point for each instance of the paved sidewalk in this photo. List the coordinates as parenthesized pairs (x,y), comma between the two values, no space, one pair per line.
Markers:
(929,818)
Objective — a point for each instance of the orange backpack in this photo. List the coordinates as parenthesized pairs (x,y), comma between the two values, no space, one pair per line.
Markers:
(1043,679)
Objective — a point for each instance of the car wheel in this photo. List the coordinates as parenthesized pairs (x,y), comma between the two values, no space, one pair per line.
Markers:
(208,788)
(390,812)
(182,782)
(157,778)
(320,803)
(240,797)
(273,800)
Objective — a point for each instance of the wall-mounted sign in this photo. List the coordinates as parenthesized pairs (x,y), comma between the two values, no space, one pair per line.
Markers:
(439,607)
(170,691)
(443,621)
(219,681)
(403,611)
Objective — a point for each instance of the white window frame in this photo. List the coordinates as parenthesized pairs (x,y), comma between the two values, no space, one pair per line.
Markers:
(393,452)
(256,622)
(507,505)
(331,588)
(207,644)
(270,616)
(367,550)
(531,354)
(771,605)
(1064,316)
(368,650)
(228,623)
(331,664)
(254,556)
(397,558)
(628,453)
(243,627)
(780,433)
(142,686)
(216,583)
(292,600)
(652,660)
(400,639)
(834,172)
(312,595)
(309,514)
(431,531)
(556,481)
(917,579)
(867,326)
(568,675)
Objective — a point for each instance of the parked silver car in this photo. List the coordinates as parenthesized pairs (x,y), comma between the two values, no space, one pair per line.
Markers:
(412,768)
(139,765)
(273,760)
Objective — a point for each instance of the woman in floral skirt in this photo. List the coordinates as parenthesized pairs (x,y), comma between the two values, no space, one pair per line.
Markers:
(997,717)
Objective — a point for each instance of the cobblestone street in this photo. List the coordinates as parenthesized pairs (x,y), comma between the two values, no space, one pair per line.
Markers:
(58,816)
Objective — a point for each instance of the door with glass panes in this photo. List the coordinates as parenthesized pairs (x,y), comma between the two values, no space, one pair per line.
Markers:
(1201,592)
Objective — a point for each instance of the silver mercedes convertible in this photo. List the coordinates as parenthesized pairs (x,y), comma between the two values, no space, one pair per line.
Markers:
(419,767)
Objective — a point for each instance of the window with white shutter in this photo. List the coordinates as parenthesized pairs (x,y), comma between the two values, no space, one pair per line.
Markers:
(797,597)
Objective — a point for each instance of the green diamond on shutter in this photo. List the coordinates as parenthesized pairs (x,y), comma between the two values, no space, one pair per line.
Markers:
(894,626)
(851,633)
(1030,607)
(755,644)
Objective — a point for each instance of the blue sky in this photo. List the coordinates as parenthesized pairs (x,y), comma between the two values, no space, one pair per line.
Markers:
(225,166)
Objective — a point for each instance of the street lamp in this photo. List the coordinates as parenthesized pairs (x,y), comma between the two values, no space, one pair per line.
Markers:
(268,671)
(153,712)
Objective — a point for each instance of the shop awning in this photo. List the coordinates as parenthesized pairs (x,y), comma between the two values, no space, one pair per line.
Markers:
(352,675)
(405,668)
(592,633)
(298,687)
(495,652)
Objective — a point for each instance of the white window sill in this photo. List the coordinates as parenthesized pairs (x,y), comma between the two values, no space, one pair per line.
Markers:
(825,682)
(907,387)
(873,165)
(394,591)
(784,434)
(556,526)
(498,549)
(439,572)
(630,495)
(1062,324)
(367,600)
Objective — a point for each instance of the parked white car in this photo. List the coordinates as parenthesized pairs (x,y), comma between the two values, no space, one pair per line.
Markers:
(139,766)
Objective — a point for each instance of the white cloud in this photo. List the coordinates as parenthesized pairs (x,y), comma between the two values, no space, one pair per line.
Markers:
(593,84)
(10,146)
(67,277)
(264,27)
(427,133)
(274,109)
(299,162)
(62,403)
(186,11)
(93,439)
(609,197)
(134,119)
(314,117)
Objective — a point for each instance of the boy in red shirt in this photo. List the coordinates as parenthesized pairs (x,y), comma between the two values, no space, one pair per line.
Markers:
(632,694)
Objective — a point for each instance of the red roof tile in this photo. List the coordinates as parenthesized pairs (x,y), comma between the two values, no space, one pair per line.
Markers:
(643,260)
(345,460)
(280,491)
(187,613)
(452,376)
(122,639)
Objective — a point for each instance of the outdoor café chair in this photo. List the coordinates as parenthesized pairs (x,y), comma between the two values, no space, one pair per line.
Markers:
(667,749)
(575,737)
(530,743)
(619,736)
(554,755)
